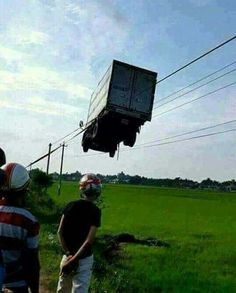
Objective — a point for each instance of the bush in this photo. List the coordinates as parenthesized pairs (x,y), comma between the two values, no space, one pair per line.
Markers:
(38,198)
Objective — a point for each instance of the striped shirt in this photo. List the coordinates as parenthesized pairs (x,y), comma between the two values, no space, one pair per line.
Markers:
(19,231)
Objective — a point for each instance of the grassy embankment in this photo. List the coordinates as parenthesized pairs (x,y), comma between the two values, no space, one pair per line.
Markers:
(200,227)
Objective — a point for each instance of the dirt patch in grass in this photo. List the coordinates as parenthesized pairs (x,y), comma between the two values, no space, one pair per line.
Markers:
(113,243)
(44,284)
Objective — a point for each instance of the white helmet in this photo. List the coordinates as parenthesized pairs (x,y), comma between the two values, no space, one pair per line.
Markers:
(90,186)
(16,177)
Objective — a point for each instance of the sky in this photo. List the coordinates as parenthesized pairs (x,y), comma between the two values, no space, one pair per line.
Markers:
(53,54)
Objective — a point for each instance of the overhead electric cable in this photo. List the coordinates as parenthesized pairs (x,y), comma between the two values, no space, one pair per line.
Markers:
(169,75)
(44,156)
(166,143)
(76,135)
(194,89)
(198,98)
(195,82)
(190,138)
(73,132)
(66,136)
(188,132)
(198,58)
(191,62)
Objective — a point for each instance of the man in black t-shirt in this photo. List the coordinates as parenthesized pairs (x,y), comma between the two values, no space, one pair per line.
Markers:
(77,231)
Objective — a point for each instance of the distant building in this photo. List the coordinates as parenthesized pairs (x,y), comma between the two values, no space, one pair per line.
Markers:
(55,176)
(231,187)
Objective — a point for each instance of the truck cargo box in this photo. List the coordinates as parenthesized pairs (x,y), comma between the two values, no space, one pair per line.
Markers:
(120,104)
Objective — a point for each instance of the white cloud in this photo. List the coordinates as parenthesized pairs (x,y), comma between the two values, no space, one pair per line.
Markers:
(39,105)
(27,37)
(12,55)
(39,78)
(73,8)
(97,28)
(22,35)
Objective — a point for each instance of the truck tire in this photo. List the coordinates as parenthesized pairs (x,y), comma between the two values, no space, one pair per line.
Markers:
(86,141)
(85,148)
(130,140)
(95,129)
(112,153)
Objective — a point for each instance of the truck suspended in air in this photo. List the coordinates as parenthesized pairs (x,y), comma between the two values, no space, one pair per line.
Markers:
(121,103)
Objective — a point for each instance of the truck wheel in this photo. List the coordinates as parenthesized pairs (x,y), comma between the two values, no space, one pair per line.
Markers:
(85,148)
(112,153)
(95,129)
(85,141)
(130,140)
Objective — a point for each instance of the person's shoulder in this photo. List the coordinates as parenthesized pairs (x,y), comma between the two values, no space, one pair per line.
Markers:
(25,213)
(70,206)
(95,207)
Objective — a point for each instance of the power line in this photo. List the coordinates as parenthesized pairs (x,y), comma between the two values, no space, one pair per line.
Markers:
(66,136)
(154,108)
(196,88)
(76,135)
(190,138)
(190,63)
(198,98)
(153,116)
(195,82)
(74,132)
(198,58)
(188,132)
(169,142)
(44,156)
(49,153)
(169,75)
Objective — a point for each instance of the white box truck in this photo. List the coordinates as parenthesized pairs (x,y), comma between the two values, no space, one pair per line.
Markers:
(121,103)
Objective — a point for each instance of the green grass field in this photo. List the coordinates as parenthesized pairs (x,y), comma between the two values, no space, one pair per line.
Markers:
(200,227)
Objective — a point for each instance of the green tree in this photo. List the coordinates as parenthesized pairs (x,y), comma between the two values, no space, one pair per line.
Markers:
(40,181)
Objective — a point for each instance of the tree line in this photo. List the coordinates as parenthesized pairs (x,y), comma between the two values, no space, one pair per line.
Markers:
(122,178)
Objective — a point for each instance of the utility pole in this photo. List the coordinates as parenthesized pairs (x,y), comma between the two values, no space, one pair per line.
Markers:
(49,154)
(62,158)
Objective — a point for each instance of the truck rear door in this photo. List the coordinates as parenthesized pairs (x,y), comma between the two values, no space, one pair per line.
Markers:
(143,91)
(121,85)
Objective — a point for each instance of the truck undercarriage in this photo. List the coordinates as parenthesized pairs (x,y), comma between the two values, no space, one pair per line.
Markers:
(107,131)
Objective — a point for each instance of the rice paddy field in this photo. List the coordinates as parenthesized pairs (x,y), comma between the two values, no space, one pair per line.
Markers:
(198,228)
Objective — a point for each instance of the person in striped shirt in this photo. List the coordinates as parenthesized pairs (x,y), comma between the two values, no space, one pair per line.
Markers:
(2,271)
(2,177)
(19,231)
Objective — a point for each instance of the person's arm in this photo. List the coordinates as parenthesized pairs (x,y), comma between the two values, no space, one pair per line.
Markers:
(31,258)
(32,269)
(72,261)
(60,235)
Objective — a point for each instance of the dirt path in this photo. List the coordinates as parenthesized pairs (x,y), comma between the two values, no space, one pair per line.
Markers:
(43,288)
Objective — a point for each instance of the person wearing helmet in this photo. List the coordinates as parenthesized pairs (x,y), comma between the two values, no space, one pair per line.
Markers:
(18,233)
(77,231)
